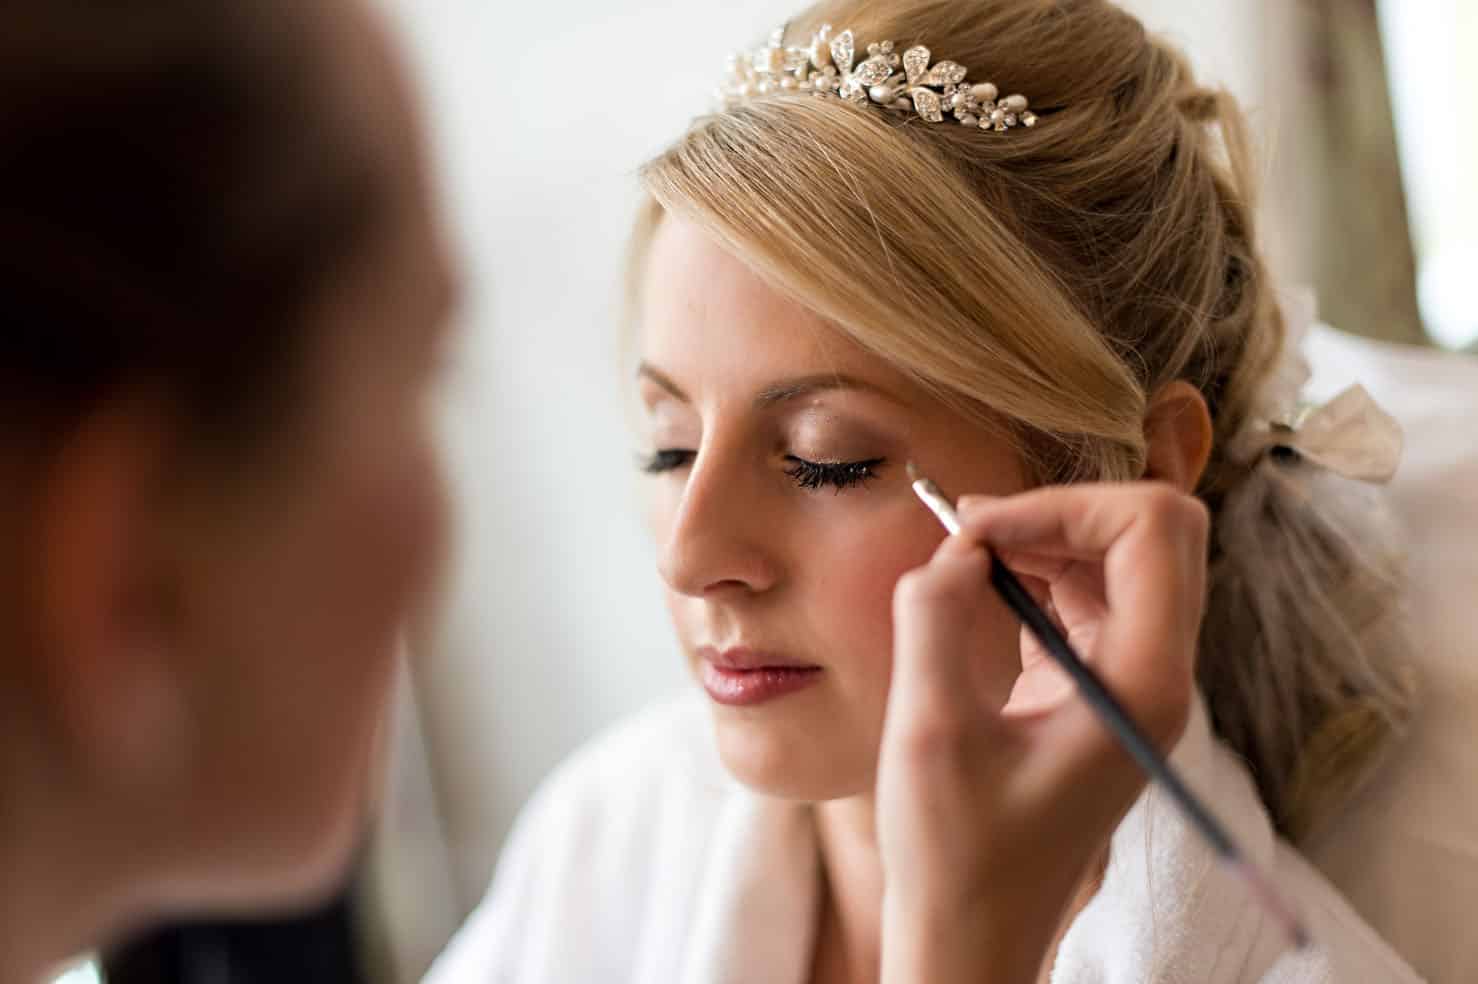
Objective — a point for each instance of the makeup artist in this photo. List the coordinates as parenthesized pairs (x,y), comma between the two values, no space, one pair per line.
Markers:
(223,298)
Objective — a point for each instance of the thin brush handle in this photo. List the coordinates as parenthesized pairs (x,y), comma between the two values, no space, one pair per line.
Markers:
(1109,709)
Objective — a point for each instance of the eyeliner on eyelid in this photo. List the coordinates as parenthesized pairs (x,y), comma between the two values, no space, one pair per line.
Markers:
(808,475)
(839,474)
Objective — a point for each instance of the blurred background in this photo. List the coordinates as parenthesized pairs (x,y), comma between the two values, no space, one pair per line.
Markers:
(552,625)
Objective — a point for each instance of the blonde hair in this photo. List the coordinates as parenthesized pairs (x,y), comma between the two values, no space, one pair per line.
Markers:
(1056,278)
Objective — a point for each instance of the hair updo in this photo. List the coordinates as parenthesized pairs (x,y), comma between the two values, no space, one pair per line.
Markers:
(1056,278)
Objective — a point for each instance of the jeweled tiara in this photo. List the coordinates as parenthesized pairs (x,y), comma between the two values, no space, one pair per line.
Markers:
(829,68)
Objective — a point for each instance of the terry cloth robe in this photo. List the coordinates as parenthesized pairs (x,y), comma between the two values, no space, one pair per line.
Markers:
(641,860)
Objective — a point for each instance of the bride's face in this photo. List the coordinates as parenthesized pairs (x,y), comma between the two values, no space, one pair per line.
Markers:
(783,513)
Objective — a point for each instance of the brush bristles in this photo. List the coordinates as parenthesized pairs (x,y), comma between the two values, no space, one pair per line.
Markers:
(913,472)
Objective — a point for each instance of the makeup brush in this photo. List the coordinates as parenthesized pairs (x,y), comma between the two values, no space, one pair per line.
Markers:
(1118,721)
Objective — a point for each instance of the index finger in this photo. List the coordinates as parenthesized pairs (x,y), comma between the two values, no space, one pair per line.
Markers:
(1151,541)
(939,625)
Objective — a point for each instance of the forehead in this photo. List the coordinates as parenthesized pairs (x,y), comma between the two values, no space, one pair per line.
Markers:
(708,317)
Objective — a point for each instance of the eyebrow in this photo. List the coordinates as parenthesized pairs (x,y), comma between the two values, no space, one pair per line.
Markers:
(781,391)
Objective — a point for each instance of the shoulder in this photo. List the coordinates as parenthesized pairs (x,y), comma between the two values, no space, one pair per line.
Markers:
(609,841)
(1168,910)
(1344,947)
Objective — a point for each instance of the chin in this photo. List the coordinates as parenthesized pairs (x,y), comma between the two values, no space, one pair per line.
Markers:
(322,870)
(790,756)
(296,860)
(320,855)
(273,878)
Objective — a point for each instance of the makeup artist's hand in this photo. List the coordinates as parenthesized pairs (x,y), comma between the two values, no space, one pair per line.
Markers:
(990,823)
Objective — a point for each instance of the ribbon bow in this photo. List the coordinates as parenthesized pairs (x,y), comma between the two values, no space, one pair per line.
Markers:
(1350,435)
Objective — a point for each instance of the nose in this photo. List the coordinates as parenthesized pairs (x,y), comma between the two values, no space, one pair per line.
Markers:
(720,538)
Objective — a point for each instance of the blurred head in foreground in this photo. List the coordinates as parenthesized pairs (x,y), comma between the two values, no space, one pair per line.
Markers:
(223,295)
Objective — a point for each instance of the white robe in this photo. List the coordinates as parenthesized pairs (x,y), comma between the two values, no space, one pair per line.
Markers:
(640,860)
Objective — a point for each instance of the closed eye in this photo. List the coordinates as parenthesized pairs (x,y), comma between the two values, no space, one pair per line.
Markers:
(810,475)
(666,460)
(837,474)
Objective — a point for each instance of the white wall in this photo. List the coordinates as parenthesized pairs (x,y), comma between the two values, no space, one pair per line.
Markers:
(554,625)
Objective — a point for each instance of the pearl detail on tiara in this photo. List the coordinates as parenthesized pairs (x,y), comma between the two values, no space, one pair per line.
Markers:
(905,83)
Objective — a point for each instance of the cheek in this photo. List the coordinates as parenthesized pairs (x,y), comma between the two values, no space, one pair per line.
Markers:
(851,587)
(371,544)
(307,631)
(661,496)
(390,527)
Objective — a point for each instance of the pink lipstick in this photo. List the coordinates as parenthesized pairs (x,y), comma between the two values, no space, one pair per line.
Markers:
(746,678)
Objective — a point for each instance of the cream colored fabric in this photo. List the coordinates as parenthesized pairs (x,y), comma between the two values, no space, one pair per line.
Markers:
(1350,435)
(1406,854)
(640,860)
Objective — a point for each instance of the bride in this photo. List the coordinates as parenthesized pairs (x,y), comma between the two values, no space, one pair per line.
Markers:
(876,251)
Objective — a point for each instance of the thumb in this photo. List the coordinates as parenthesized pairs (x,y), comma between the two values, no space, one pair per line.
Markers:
(940,622)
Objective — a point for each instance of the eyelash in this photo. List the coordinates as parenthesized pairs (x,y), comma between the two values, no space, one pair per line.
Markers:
(838,474)
(810,475)
(667,460)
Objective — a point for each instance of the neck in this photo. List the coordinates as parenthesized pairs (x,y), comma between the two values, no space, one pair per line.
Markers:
(849,937)
(45,906)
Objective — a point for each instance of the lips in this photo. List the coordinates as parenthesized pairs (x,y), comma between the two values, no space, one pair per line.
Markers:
(739,677)
(743,658)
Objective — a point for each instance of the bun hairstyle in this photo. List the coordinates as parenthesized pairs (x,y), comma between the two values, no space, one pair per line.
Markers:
(1051,280)
(173,189)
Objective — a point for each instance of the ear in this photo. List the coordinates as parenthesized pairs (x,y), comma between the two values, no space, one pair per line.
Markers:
(103,626)
(1178,435)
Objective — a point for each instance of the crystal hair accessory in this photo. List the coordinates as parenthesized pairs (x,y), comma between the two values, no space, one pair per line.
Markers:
(905,83)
